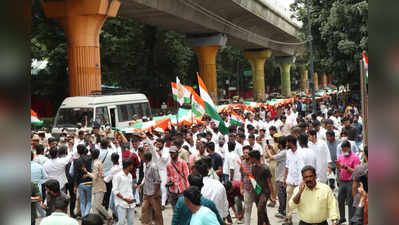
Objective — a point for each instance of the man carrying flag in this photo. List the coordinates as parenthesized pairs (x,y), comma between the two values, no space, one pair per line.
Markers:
(210,107)
(261,177)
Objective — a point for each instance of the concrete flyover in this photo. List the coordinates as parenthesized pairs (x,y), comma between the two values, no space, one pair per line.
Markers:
(248,24)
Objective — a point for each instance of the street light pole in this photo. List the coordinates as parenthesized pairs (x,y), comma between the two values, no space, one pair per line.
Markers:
(311,69)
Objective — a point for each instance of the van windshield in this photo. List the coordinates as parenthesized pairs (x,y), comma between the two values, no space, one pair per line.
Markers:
(126,112)
(70,117)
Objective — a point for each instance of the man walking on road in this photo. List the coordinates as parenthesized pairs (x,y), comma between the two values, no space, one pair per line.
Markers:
(314,200)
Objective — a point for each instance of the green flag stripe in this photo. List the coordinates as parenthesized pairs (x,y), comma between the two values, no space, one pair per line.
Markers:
(215,115)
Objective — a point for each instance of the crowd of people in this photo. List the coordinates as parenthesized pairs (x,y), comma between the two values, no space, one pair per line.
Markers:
(283,157)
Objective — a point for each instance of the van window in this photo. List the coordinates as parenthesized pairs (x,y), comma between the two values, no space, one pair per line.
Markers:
(126,112)
(102,117)
(70,117)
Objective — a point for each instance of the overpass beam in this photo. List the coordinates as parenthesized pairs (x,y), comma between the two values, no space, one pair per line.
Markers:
(257,59)
(284,63)
(82,22)
(206,48)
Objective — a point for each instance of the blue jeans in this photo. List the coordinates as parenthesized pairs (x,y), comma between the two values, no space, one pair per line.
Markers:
(85,199)
(125,214)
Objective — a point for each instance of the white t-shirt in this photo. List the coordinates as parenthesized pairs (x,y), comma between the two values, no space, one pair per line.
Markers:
(232,160)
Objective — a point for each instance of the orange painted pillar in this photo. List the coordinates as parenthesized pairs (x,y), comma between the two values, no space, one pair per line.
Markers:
(206,56)
(316,81)
(330,79)
(82,22)
(324,80)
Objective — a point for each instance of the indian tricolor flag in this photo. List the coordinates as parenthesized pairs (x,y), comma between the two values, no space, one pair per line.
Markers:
(236,119)
(366,65)
(210,107)
(255,185)
(34,119)
(197,104)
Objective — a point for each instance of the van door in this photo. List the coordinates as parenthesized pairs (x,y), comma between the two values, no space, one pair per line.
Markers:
(113,118)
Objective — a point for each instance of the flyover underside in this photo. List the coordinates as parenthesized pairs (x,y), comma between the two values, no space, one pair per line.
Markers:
(183,18)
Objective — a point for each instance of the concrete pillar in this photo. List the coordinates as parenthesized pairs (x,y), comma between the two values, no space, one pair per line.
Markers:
(257,59)
(304,77)
(324,80)
(316,81)
(285,63)
(82,22)
(206,48)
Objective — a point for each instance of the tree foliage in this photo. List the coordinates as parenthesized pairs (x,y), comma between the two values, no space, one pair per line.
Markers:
(340,34)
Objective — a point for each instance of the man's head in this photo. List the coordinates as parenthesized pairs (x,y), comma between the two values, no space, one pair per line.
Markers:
(210,147)
(52,142)
(115,158)
(355,118)
(195,180)
(135,142)
(251,139)
(272,130)
(329,124)
(81,149)
(61,204)
(92,219)
(282,143)
(174,152)
(309,176)
(147,157)
(291,142)
(52,187)
(346,148)
(254,157)
(313,136)
(81,135)
(316,125)
(192,197)
(330,135)
(202,167)
(209,136)
(221,141)
(231,146)
(246,150)
(127,165)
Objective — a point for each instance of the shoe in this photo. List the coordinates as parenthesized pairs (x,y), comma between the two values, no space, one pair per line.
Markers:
(342,221)
(279,215)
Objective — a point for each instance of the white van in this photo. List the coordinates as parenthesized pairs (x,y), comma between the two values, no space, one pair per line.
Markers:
(116,110)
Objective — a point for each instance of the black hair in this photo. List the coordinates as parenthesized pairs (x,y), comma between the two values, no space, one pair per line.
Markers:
(273,128)
(210,146)
(241,135)
(126,163)
(228,185)
(346,144)
(366,150)
(329,121)
(251,136)
(303,140)
(95,153)
(316,123)
(92,219)
(193,193)
(202,167)
(291,139)
(283,141)
(39,149)
(331,133)
(81,149)
(53,152)
(51,140)
(313,132)
(254,154)
(247,147)
(61,203)
(307,168)
(195,180)
(282,117)
(104,143)
(81,132)
(115,157)
(147,156)
(53,185)
(62,150)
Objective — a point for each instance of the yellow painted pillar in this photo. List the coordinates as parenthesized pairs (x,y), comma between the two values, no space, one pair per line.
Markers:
(316,81)
(324,80)
(206,56)
(257,60)
(304,77)
(82,22)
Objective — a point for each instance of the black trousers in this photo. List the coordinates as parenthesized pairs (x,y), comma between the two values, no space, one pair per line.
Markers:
(107,195)
(72,201)
(282,197)
(304,223)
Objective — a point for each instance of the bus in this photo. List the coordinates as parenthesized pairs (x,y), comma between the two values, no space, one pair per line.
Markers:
(114,110)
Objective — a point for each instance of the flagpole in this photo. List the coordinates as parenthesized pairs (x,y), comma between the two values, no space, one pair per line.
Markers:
(363,89)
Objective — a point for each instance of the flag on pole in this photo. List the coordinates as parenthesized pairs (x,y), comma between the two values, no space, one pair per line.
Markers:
(197,104)
(183,95)
(34,119)
(210,107)
(366,66)
(236,119)
(255,185)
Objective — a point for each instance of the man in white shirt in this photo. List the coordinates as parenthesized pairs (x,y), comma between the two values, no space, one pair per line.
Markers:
(307,155)
(213,189)
(162,163)
(255,146)
(124,199)
(292,177)
(116,168)
(232,160)
(323,157)
(238,146)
